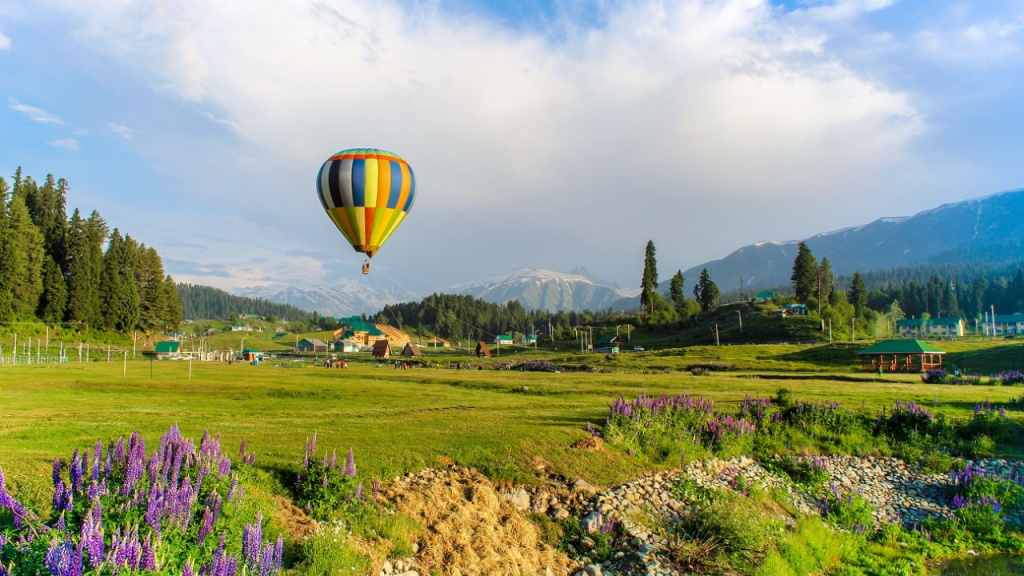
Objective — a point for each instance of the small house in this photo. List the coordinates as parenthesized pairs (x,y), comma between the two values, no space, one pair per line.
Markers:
(346,346)
(764,296)
(608,341)
(481,350)
(241,328)
(1004,324)
(382,349)
(167,350)
(503,339)
(925,327)
(251,354)
(412,351)
(793,310)
(437,343)
(311,345)
(531,339)
(901,356)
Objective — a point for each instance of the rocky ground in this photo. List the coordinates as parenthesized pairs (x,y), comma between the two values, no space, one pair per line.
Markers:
(896,490)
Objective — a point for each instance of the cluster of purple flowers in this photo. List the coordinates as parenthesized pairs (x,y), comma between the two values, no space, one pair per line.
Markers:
(260,559)
(644,406)
(91,527)
(960,502)
(755,407)
(1010,377)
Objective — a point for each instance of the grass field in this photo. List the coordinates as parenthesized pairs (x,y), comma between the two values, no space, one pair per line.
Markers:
(400,421)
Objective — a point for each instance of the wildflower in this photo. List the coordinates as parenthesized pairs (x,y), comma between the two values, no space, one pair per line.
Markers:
(350,467)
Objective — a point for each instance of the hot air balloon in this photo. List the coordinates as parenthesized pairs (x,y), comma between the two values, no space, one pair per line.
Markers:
(367,193)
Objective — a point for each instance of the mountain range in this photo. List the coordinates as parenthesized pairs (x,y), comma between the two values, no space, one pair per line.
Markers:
(971,226)
(547,290)
(350,298)
(987,227)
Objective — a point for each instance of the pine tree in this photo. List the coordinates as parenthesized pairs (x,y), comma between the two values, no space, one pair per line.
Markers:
(805,274)
(21,262)
(152,293)
(675,291)
(649,282)
(172,304)
(119,292)
(828,280)
(858,294)
(706,292)
(85,266)
(54,299)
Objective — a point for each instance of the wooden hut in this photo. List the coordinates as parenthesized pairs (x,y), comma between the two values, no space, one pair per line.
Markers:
(412,351)
(901,356)
(382,349)
(481,350)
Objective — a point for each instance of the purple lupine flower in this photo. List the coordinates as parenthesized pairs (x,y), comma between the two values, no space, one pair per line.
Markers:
(241,451)
(376,490)
(234,489)
(56,473)
(97,461)
(334,459)
(326,457)
(278,553)
(148,554)
(188,569)
(359,493)
(350,467)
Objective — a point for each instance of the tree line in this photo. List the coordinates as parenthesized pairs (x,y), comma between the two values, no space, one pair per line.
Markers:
(673,305)
(205,302)
(948,289)
(59,269)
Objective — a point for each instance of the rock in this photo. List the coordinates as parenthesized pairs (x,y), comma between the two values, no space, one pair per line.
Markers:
(592,570)
(415,548)
(520,499)
(561,514)
(388,567)
(409,573)
(592,522)
(582,485)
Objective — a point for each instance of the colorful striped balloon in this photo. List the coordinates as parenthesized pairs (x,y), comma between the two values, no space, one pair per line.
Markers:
(367,193)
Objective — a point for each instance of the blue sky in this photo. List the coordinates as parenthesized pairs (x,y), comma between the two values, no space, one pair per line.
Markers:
(544,134)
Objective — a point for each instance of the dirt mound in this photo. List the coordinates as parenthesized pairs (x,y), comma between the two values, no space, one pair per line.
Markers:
(293,519)
(590,443)
(470,529)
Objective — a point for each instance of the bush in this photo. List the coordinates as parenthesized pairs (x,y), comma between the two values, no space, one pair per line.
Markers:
(808,470)
(848,511)
(742,531)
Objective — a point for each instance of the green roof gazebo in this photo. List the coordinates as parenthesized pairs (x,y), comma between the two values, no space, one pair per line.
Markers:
(901,356)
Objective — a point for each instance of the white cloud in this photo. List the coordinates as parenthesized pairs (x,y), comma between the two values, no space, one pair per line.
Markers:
(668,107)
(5,42)
(122,131)
(66,143)
(35,114)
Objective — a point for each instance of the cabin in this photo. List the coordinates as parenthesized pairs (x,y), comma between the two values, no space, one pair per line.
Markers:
(1004,324)
(167,350)
(412,351)
(437,343)
(608,341)
(365,333)
(503,339)
(241,328)
(347,346)
(251,355)
(531,339)
(793,310)
(901,356)
(925,327)
(311,345)
(382,349)
(764,296)
(481,350)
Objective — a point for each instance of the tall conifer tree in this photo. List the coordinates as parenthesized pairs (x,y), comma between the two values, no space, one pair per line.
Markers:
(649,282)
(805,274)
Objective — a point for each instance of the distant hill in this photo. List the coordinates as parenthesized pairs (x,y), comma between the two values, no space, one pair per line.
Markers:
(547,290)
(979,227)
(349,299)
(206,303)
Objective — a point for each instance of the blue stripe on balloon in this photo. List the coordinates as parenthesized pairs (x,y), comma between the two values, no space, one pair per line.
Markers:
(412,191)
(359,183)
(396,184)
(319,186)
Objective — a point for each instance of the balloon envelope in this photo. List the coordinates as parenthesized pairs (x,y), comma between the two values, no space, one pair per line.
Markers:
(367,193)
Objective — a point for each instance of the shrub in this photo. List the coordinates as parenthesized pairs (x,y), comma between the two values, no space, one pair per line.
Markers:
(848,511)
(808,470)
(742,532)
(937,462)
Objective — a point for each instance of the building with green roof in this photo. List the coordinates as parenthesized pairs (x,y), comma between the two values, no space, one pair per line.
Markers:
(1004,324)
(901,356)
(935,327)
(166,350)
(764,295)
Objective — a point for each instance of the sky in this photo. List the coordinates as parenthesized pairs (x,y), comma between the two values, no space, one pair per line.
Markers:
(547,134)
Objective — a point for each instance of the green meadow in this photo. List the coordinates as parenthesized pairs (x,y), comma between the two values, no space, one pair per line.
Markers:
(402,420)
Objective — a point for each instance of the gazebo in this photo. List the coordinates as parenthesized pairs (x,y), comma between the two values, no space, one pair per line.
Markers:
(901,356)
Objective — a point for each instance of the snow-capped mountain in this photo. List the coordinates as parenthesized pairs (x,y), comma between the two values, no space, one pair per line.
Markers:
(547,290)
(348,299)
(968,226)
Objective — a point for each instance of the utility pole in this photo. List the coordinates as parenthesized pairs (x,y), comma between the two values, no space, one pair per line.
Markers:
(741,288)
(740,314)
(993,320)
(124,372)
(853,329)
(819,292)
(717,341)
(829,330)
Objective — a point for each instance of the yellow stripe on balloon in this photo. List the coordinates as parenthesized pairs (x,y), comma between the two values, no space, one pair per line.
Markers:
(360,214)
(380,217)
(399,217)
(370,182)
